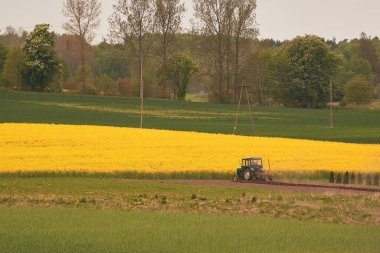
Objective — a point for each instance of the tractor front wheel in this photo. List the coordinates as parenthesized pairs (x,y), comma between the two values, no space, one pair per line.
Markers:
(247,174)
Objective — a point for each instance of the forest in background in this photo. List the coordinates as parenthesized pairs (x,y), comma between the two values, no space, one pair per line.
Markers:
(221,53)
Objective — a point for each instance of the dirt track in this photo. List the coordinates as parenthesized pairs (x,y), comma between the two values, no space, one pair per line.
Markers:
(300,187)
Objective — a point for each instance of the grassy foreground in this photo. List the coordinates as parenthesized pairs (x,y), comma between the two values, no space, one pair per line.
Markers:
(72,230)
(360,126)
(189,197)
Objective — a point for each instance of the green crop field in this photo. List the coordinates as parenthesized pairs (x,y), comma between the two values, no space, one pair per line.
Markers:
(67,214)
(360,126)
(70,230)
(188,197)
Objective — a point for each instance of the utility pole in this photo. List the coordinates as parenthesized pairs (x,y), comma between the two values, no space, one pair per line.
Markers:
(17,73)
(141,88)
(244,86)
(331,105)
(237,111)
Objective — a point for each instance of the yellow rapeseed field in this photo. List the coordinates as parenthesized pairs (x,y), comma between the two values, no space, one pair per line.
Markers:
(62,148)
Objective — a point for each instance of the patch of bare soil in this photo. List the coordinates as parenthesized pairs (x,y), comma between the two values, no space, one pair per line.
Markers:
(316,187)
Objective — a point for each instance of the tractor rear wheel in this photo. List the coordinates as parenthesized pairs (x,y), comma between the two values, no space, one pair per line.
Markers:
(247,174)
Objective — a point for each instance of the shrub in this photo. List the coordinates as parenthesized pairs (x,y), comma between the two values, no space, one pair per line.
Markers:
(360,180)
(194,196)
(376,180)
(346,178)
(338,179)
(254,199)
(368,180)
(353,178)
(358,90)
(332,177)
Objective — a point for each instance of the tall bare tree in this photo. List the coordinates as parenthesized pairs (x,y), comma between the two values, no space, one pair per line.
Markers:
(83,19)
(244,30)
(215,27)
(132,22)
(168,14)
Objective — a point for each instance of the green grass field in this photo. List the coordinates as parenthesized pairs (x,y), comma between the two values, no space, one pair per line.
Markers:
(68,214)
(189,197)
(361,126)
(70,230)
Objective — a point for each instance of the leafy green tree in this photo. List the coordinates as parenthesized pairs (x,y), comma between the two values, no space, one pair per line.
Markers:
(41,63)
(260,73)
(368,52)
(168,14)
(13,68)
(3,56)
(83,17)
(181,68)
(358,90)
(347,70)
(112,60)
(105,84)
(309,65)
(352,64)
(225,31)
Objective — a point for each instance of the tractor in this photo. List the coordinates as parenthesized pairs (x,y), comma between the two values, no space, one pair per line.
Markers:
(252,169)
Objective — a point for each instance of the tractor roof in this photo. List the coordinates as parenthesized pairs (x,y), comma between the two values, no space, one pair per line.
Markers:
(252,158)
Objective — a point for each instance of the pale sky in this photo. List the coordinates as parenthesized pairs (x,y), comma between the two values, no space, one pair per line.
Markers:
(278,19)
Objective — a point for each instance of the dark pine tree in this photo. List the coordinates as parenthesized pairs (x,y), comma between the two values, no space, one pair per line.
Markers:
(360,180)
(338,179)
(346,178)
(376,180)
(368,180)
(332,177)
(353,178)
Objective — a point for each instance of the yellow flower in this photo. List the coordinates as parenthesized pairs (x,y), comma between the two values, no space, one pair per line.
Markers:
(62,148)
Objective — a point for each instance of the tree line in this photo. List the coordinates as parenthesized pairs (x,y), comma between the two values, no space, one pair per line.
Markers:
(147,53)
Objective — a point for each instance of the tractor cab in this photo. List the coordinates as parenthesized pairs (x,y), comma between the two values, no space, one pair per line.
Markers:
(255,163)
(252,169)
